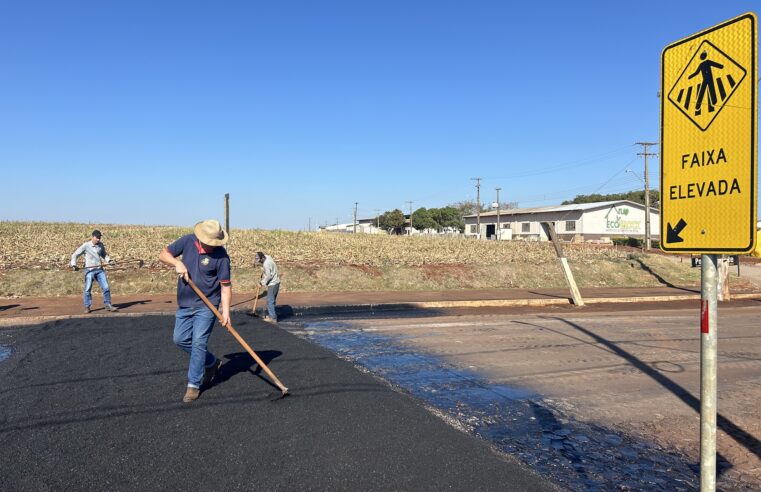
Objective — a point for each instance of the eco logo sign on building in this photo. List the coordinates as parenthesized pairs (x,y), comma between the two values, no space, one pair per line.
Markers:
(709,140)
(617,220)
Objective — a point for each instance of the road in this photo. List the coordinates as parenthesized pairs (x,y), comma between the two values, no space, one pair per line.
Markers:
(94,404)
(592,398)
(634,371)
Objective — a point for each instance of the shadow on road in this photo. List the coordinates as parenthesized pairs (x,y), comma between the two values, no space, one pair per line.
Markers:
(239,362)
(554,296)
(550,424)
(284,312)
(742,437)
(123,305)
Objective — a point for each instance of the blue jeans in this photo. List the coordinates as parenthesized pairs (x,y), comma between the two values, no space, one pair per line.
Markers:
(99,275)
(272,291)
(192,329)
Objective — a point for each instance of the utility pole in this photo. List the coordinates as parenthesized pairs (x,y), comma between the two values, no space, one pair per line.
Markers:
(377,218)
(409,202)
(309,227)
(645,145)
(498,229)
(227,213)
(478,206)
(355,217)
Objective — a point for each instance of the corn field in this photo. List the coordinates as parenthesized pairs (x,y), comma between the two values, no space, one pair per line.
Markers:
(45,246)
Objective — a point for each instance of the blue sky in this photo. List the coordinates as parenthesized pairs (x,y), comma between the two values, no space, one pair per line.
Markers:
(148,112)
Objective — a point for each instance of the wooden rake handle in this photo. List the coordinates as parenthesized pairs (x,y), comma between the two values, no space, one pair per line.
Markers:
(234,333)
(256,299)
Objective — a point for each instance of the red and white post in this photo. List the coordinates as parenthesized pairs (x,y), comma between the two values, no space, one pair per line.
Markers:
(708,369)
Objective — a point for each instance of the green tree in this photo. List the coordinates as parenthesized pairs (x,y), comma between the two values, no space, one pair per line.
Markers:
(637,196)
(421,219)
(435,214)
(447,217)
(392,221)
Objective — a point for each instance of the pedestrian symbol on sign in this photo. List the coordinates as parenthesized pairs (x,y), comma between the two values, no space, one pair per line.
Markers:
(706,84)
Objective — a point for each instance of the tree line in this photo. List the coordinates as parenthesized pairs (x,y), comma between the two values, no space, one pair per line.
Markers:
(637,196)
(436,219)
(451,216)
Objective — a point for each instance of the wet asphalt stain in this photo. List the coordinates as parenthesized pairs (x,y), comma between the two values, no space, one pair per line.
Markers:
(5,352)
(579,455)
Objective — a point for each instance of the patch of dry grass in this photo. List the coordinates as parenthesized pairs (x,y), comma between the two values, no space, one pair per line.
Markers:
(35,261)
(49,246)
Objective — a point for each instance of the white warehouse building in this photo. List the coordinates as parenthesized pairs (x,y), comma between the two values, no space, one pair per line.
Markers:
(582,222)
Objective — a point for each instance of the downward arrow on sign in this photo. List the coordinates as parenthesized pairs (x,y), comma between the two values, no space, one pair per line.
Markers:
(672,235)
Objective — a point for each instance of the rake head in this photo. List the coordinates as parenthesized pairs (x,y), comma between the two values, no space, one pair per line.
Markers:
(283,393)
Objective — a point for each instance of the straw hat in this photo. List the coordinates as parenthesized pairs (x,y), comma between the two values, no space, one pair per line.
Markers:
(211,233)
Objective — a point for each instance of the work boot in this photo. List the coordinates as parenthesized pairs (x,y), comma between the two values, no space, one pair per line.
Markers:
(87,310)
(111,308)
(191,395)
(209,373)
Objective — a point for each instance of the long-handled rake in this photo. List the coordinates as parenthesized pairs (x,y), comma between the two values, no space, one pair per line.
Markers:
(125,261)
(253,310)
(234,333)
(117,265)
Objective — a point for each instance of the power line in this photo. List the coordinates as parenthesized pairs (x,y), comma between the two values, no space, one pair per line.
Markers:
(562,167)
(551,169)
(622,170)
(535,198)
(589,189)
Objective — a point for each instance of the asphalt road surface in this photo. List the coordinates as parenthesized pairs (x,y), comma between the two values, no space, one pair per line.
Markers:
(95,404)
(628,373)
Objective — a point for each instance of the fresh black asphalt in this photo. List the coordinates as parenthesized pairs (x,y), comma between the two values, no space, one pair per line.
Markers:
(95,404)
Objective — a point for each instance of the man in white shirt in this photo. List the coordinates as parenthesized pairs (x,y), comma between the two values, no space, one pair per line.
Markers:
(95,257)
(271,281)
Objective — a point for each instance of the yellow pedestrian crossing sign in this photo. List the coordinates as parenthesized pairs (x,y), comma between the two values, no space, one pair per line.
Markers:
(706,85)
(709,142)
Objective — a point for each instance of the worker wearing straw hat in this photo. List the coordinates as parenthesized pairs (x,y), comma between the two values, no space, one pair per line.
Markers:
(206,263)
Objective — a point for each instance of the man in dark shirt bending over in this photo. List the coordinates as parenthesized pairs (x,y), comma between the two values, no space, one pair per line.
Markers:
(207,264)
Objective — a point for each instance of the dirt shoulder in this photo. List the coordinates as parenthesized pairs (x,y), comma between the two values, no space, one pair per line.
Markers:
(37,309)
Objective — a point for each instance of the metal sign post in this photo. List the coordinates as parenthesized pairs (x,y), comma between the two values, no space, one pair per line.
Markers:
(708,371)
(709,169)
